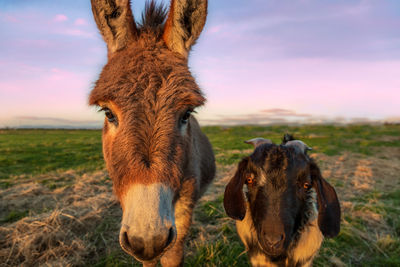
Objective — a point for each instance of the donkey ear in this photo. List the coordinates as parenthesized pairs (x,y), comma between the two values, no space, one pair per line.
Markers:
(185,22)
(328,203)
(234,202)
(115,21)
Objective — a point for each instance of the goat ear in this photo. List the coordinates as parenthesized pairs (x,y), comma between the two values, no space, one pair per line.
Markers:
(115,21)
(185,22)
(234,202)
(328,203)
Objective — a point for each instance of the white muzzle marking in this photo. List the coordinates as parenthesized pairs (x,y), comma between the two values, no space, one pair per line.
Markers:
(147,208)
(148,221)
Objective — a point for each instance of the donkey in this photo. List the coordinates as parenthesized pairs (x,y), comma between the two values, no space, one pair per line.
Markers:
(156,155)
(279,222)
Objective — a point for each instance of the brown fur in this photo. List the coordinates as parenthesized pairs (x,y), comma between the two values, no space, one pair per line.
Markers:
(151,88)
(301,253)
(177,35)
(147,85)
(115,21)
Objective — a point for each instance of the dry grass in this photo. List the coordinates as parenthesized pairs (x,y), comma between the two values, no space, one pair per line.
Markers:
(59,228)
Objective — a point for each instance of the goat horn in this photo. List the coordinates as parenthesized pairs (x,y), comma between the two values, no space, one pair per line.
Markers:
(300,145)
(258,141)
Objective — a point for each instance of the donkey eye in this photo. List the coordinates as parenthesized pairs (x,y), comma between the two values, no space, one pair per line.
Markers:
(110,116)
(186,116)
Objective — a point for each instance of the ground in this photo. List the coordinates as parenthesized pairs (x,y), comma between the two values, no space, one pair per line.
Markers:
(57,206)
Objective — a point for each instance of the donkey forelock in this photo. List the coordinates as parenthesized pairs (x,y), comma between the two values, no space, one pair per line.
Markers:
(147,69)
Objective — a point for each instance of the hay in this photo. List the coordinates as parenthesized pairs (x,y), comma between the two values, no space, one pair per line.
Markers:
(64,235)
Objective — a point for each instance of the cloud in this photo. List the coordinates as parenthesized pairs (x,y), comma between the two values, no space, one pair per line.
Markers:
(76,32)
(284,112)
(247,119)
(311,29)
(214,29)
(51,122)
(8,18)
(80,22)
(38,40)
(42,91)
(55,120)
(277,116)
(265,117)
(60,18)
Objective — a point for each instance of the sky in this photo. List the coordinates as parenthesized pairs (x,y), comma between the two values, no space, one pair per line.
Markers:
(257,61)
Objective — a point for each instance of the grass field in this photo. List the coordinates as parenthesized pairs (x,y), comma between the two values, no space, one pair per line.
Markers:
(57,207)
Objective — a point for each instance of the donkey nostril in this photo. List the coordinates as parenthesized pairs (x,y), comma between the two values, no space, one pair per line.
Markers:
(126,239)
(171,236)
(132,244)
(147,247)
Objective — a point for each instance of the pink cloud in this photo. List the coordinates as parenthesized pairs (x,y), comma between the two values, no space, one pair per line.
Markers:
(80,22)
(46,92)
(60,18)
(8,18)
(283,112)
(76,32)
(215,29)
(324,87)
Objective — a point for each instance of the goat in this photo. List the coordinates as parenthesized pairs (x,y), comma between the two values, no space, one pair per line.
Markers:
(289,206)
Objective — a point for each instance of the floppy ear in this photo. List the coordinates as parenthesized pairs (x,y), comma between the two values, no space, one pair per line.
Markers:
(328,203)
(115,21)
(234,202)
(185,22)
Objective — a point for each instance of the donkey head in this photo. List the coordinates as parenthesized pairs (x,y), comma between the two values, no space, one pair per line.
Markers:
(148,94)
(280,179)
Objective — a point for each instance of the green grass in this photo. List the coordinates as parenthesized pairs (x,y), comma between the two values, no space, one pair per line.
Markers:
(15,216)
(33,152)
(41,151)
(327,139)
(224,245)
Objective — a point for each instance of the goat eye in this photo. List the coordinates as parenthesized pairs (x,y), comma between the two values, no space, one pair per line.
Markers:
(186,116)
(249,180)
(110,116)
(307,186)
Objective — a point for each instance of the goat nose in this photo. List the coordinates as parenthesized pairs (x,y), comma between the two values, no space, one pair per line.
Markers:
(274,241)
(146,249)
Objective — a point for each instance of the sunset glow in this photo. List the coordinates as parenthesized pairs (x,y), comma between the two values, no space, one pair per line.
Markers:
(303,61)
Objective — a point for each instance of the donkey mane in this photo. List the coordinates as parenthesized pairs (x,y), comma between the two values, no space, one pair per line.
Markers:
(153,18)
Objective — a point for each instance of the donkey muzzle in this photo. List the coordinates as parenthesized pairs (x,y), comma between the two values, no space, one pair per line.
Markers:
(148,221)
